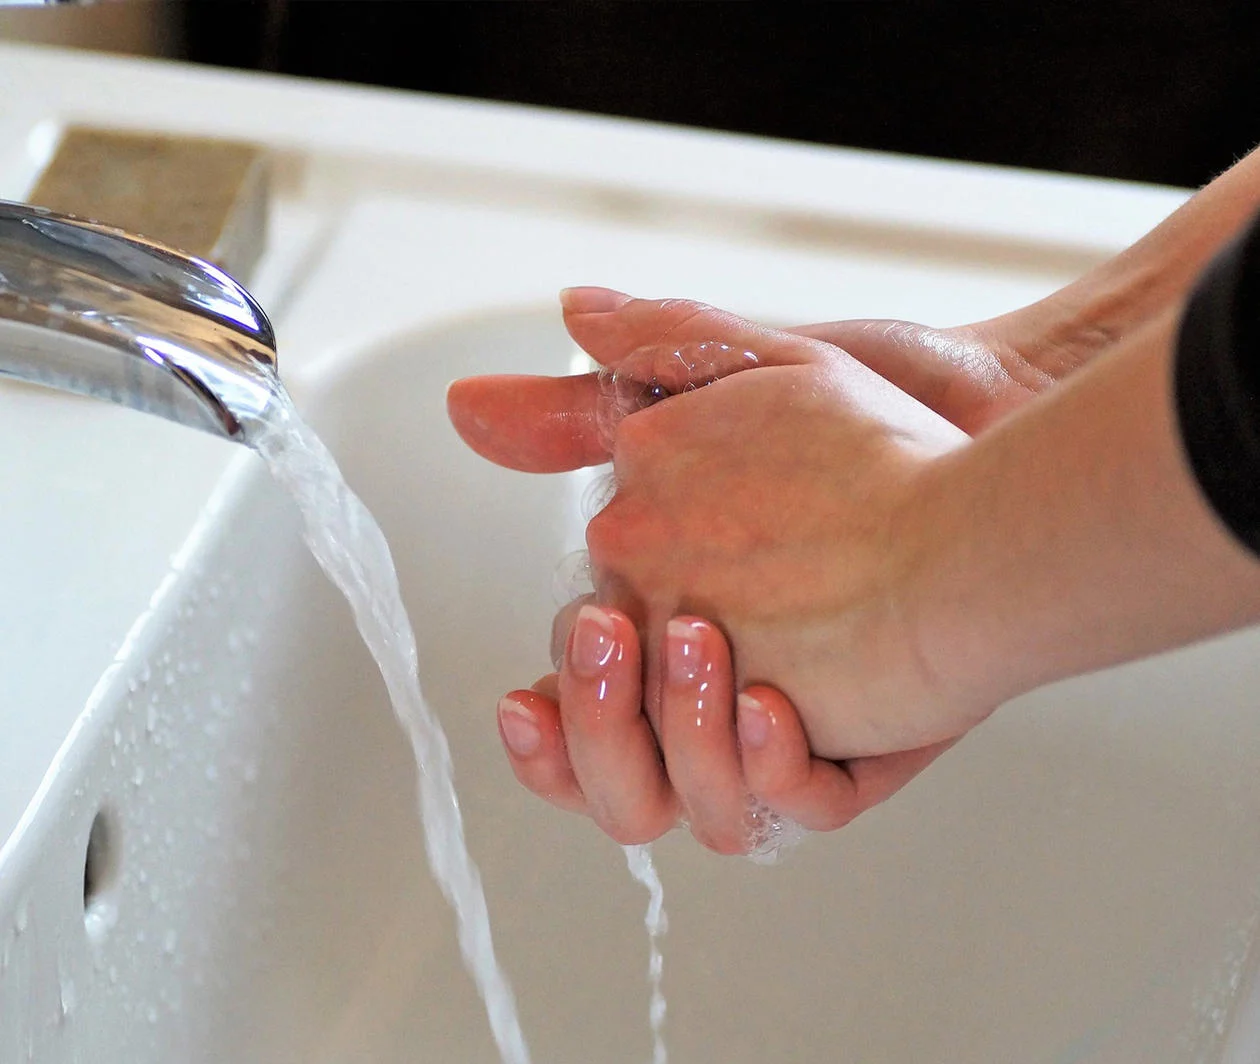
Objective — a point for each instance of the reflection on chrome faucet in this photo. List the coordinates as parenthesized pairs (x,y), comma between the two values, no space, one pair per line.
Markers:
(103,313)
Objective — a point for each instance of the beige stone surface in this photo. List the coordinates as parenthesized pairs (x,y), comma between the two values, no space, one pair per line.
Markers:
(134,27)
(206,197)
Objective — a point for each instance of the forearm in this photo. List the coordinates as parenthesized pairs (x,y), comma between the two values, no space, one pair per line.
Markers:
(1073,324)
(1074,536)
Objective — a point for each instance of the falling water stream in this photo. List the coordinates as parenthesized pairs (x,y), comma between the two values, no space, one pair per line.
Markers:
(349,546)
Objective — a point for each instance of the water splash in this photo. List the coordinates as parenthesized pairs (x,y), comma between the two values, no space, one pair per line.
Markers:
(350,548)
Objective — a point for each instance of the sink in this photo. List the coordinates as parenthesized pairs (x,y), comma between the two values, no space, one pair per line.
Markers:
(1076,877)
(223,861)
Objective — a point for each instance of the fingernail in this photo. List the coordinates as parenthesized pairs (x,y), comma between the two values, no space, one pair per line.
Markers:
(752,722)
(519,727)
(593,642)
(589,299)
(682,651)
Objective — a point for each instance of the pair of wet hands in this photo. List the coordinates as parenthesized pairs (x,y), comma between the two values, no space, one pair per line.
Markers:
(643,732)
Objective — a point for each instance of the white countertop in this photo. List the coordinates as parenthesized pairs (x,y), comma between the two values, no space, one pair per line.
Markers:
(95,500)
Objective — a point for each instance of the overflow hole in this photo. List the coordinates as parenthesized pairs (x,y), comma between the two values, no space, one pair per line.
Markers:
(100,863)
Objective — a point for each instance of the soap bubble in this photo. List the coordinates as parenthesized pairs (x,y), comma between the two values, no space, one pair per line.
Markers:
(572,578)
(598,494)
(770,834)
(649,375)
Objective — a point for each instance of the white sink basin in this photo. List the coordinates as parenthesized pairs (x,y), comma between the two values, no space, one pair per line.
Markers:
(1076,882)
(1075,878)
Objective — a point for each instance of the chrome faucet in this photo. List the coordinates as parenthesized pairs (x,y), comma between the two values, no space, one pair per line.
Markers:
(96,311)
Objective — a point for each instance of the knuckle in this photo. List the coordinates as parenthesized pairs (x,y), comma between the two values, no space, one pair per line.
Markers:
(610,535)
(602,534)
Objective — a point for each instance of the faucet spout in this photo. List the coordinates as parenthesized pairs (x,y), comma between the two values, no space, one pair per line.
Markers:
(93,310)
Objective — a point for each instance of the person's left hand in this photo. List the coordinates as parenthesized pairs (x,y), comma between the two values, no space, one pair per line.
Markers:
(580,740)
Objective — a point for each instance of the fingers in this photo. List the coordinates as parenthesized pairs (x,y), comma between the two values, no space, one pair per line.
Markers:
(947,370)
(534,424)
(529,725)
(611,745)
(698,734)
(610,325)
(580,740)
(552,424)
(780,770)
(918,369)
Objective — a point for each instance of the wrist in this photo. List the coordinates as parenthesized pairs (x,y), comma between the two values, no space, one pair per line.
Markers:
(953,598)
(1070,327)
(1047,340)
(1073,536)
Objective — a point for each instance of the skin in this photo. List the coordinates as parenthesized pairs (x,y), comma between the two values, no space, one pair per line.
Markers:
(884,565)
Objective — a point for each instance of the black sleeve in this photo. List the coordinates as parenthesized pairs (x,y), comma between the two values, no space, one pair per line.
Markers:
(1217,384)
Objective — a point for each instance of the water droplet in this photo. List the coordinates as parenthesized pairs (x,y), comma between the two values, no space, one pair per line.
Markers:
(113,973)
(151,1014)
(137,777)
(169,942)
(212,772)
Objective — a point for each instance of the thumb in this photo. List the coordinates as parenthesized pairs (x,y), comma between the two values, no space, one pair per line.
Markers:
(534,424)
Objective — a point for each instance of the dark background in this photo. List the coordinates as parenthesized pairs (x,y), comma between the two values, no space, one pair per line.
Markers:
(1165,90)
